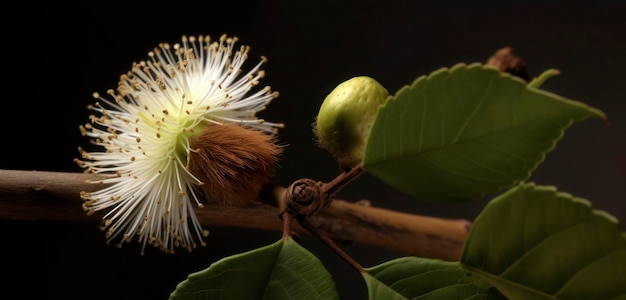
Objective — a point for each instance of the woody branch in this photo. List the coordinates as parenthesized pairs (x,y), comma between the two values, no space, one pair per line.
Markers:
(55,196)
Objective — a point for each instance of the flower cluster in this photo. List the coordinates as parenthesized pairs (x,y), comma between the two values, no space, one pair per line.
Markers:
(170,143)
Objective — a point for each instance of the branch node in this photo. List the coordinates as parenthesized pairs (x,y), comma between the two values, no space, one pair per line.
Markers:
(304,197)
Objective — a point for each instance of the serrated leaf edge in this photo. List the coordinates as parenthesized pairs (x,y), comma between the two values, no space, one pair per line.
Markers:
(593,112)
(542,188)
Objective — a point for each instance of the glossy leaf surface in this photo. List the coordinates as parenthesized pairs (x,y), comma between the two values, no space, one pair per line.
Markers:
(467,131)
(283,270)
(423,278)
(534,242)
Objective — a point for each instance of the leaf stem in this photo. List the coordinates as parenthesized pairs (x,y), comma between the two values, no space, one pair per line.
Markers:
(304,221)
(331,188)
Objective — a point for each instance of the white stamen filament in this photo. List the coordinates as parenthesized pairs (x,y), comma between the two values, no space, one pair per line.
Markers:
(146,127)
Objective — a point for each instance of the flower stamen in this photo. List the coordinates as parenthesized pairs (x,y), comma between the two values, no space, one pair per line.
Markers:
(149,127)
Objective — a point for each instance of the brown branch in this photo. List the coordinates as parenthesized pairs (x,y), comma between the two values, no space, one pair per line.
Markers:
(43,195)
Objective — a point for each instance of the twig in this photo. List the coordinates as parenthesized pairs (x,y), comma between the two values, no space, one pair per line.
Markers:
(43,195)
(304,222)
(334,186)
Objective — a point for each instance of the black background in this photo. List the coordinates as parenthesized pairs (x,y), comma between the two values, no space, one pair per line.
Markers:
(57,54)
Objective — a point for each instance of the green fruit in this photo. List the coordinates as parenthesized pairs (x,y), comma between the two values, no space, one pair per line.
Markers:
(346,116)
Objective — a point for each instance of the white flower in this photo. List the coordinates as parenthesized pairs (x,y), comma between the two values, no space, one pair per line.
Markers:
(147,127)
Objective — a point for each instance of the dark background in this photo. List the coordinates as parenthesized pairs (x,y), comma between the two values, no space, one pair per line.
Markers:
(57,54)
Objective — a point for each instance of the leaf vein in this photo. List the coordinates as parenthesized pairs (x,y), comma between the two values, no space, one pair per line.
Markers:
(422,121)
(580,270)
(474,111)
(538,246)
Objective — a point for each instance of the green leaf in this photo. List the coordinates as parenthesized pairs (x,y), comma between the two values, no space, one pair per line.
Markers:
(534,242)
(422,278)
(464,132)
(283,270)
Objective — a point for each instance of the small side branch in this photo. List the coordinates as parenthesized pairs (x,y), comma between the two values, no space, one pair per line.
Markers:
(43,195)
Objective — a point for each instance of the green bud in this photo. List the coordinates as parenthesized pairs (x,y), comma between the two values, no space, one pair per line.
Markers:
(346,116)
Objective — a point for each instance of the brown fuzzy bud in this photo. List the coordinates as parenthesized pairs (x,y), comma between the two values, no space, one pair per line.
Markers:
(233,162)
(505,61)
